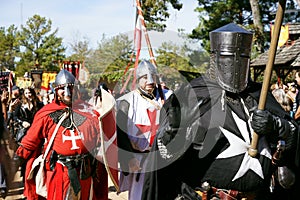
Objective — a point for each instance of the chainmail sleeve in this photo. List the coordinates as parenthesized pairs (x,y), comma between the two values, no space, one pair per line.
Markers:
(176,133)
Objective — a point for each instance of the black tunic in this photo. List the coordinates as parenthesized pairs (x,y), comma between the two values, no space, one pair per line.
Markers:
(203,135)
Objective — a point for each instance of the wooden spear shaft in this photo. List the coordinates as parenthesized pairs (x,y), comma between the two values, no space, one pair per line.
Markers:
(140,13)
(268,71)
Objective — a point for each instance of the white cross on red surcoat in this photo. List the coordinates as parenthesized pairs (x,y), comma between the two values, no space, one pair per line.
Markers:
(73,138)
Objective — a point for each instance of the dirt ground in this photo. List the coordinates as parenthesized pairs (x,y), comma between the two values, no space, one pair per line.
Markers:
(16,191)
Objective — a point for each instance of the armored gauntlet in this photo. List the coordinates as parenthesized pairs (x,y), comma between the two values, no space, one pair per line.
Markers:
(264,123)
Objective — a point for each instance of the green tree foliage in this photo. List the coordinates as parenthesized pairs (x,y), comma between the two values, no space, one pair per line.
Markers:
(172,58)
(42,48)
(80,50)
(110,57)
(200,59)
(182,57)
(216,13)
(8,47)
(156,12)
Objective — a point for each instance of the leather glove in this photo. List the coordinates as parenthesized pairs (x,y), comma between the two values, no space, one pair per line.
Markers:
(262,122)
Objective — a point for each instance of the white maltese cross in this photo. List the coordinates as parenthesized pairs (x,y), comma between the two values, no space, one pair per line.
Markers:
(239,146)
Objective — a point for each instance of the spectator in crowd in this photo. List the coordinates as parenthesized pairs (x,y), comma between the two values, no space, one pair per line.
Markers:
(281,97)
(4,103)
(297,99)
(24,114)
(166,90)
(291,94)
(13,102)
(3,158)
(46,98)
(97,97)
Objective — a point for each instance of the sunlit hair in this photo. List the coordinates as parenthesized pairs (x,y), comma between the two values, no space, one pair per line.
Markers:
(282,99)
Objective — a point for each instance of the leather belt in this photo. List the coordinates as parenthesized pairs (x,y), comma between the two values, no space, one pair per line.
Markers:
(73,163)
(74,158)
(225,194)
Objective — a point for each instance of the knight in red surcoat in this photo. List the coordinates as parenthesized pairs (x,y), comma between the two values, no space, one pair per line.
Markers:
(72,170)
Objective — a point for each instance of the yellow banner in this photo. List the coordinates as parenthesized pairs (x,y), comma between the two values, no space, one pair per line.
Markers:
(23,82)
(46,79)
(284,34)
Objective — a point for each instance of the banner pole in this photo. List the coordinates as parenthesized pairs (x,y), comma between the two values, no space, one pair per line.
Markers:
(268,71)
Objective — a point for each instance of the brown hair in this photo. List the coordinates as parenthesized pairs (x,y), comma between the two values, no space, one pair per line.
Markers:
(35,98)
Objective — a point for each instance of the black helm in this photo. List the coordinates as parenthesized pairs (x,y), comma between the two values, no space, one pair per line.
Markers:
(231,47)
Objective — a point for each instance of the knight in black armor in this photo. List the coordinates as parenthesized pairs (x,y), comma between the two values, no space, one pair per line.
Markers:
(201,148)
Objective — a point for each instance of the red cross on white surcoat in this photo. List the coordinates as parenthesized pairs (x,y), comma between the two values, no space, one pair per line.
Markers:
(73,138)
(152,128)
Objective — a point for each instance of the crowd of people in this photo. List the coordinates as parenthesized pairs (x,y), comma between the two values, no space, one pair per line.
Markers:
(189,143)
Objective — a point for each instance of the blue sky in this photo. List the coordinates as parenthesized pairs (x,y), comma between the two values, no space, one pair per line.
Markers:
(89,18)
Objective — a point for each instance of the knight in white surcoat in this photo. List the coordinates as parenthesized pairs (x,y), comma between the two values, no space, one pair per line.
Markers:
(137,123)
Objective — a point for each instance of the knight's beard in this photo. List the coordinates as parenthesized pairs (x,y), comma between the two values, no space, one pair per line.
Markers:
(148,91)
(67,100)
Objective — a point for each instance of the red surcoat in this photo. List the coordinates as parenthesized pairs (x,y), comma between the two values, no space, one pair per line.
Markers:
(74,141)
